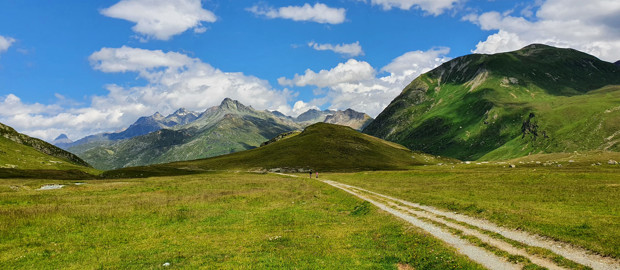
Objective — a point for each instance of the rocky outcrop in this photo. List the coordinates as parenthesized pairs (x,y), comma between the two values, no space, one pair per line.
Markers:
(350,118)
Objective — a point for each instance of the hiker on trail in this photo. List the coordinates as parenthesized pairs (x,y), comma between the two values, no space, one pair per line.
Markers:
(310,174)
(317,175)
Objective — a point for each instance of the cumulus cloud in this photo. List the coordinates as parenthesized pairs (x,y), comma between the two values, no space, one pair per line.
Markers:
(357,85)
(5,43)
(174,81)
(434,7)
(351,71)
(161,19)
(301,107)
(319,13)
(351,50)
(592,28)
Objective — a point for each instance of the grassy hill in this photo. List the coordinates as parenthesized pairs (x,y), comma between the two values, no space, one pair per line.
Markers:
(23,156)
(539,99)
(322,147)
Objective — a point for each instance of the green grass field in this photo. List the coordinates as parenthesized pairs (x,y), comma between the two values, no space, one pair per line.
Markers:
(576,203)
(213,220)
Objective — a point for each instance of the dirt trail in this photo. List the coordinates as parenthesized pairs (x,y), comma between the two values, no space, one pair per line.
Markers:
(435,222)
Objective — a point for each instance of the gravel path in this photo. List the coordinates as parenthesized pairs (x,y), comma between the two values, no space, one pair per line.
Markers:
(435,222)
(567,251)
(477,254)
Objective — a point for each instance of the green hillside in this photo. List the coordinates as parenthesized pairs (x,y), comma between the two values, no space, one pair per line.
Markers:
(21,155)
(323,147)
(539,99)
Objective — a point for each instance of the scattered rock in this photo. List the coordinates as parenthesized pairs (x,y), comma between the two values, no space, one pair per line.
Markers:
(612,162)
(571,161)
(559,165)
(166,264)
(512,166)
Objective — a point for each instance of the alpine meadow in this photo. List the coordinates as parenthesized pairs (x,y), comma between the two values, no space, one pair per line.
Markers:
(400,134)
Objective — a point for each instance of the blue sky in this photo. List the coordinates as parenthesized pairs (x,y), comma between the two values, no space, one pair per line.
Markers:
(82,67)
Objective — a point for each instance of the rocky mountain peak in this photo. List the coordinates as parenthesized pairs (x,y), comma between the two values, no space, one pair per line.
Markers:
(349,117)
(61,137)
(234,105)
(157,116)
(181,112)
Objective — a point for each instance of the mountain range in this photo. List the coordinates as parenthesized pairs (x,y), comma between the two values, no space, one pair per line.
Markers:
(186,135)
(539,99)
(536,100)
(320,147)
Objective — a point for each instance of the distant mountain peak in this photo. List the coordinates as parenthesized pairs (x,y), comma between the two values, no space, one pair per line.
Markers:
(349,117)
(157,115)
(233,105)
(61,137)
(181,111)
(62,140)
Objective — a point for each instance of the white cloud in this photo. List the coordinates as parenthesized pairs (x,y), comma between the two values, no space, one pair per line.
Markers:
(351,71)
(319,13)
(434,7)
(592,28)
(161,19)
(351,50)
(355,84)
(174,81)
(5,43)
(133,59)
(301,107)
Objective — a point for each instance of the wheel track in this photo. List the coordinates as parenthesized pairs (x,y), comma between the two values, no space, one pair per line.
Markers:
(424,216)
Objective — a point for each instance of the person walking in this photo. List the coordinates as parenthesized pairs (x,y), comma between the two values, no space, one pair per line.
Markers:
(310,174)
(317,175)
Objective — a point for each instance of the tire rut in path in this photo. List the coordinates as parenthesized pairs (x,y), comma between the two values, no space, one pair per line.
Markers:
(567,251)
(411,211)
(475,253)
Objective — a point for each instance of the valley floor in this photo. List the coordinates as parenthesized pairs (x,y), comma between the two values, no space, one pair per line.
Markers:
(214,221)
(245,220)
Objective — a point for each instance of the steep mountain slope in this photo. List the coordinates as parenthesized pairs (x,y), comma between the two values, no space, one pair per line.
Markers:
(322,147)
(539,99)
(12,139)
(25,157)
(227,128)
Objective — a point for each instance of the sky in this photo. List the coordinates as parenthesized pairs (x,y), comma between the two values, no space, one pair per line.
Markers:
(85,67)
